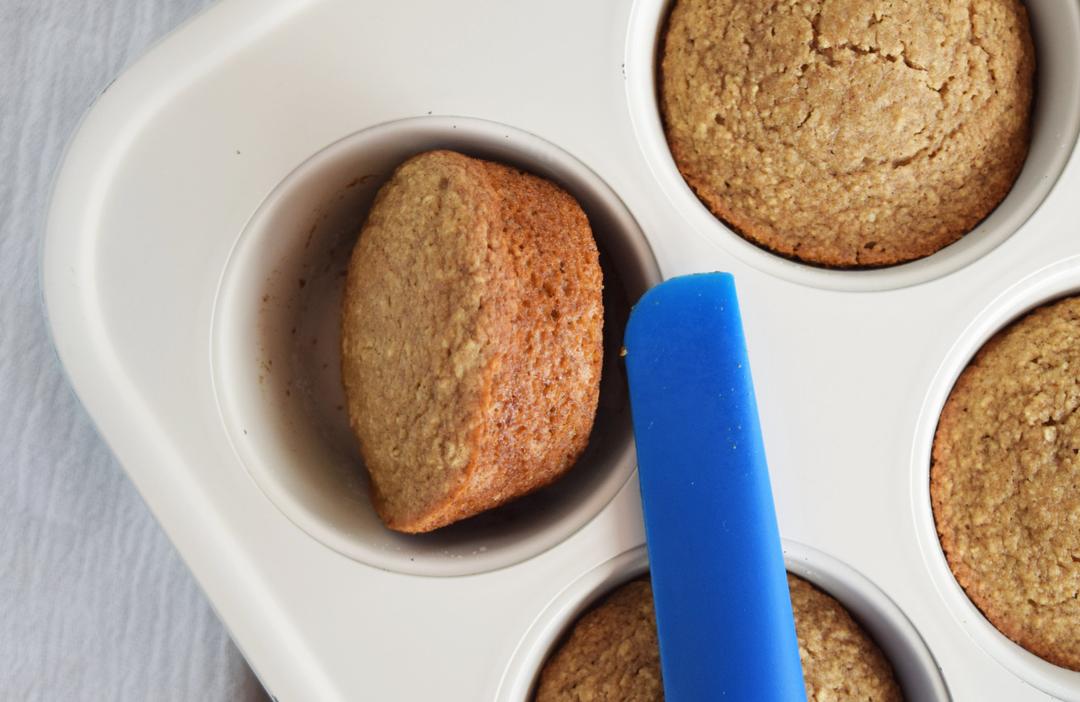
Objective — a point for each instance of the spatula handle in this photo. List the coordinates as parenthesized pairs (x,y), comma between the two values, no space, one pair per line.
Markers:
(723,609)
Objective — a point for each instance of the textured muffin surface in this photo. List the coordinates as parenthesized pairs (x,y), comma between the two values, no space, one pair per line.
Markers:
(840,661)
(1005,481)
(612,652)
(471,338)
(848,133)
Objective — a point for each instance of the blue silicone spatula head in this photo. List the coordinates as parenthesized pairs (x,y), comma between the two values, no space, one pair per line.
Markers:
(723,610)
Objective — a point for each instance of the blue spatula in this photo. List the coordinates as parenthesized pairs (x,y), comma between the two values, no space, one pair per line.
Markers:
(723,611)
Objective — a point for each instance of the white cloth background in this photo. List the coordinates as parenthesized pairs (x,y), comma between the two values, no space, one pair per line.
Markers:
(95,604)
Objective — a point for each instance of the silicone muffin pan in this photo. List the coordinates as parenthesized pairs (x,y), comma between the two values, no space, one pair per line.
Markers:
(192,267)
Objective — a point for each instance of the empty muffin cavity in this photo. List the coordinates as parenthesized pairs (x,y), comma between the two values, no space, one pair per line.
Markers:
(277,361)
(1054,124)
(913,666)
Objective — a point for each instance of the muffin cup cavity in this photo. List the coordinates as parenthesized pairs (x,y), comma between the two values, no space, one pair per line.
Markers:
(276,359)
(912,662)
(1047,285)
(1055,123)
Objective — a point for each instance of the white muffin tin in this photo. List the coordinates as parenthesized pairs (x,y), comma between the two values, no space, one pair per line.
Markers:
(219,171)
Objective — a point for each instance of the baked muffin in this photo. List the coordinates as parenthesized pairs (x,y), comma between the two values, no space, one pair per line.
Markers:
(848,133)
(1005,481)
(612,652)
(471,338)
(840,661)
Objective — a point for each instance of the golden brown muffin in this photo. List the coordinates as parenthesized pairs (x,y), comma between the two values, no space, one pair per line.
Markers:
(848,133)
(840,661)
(1005,481)
(471,338)
(612,652)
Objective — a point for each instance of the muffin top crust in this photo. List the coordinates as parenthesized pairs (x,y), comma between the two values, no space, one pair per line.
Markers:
(612,652)
(1005,481)
(848,133)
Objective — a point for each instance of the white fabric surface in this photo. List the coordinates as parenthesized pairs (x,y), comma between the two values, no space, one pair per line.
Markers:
(95,604)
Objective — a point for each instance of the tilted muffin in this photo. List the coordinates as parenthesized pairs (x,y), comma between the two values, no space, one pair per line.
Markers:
(471,338)
(1005,481)
(612,652)
(848,133)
